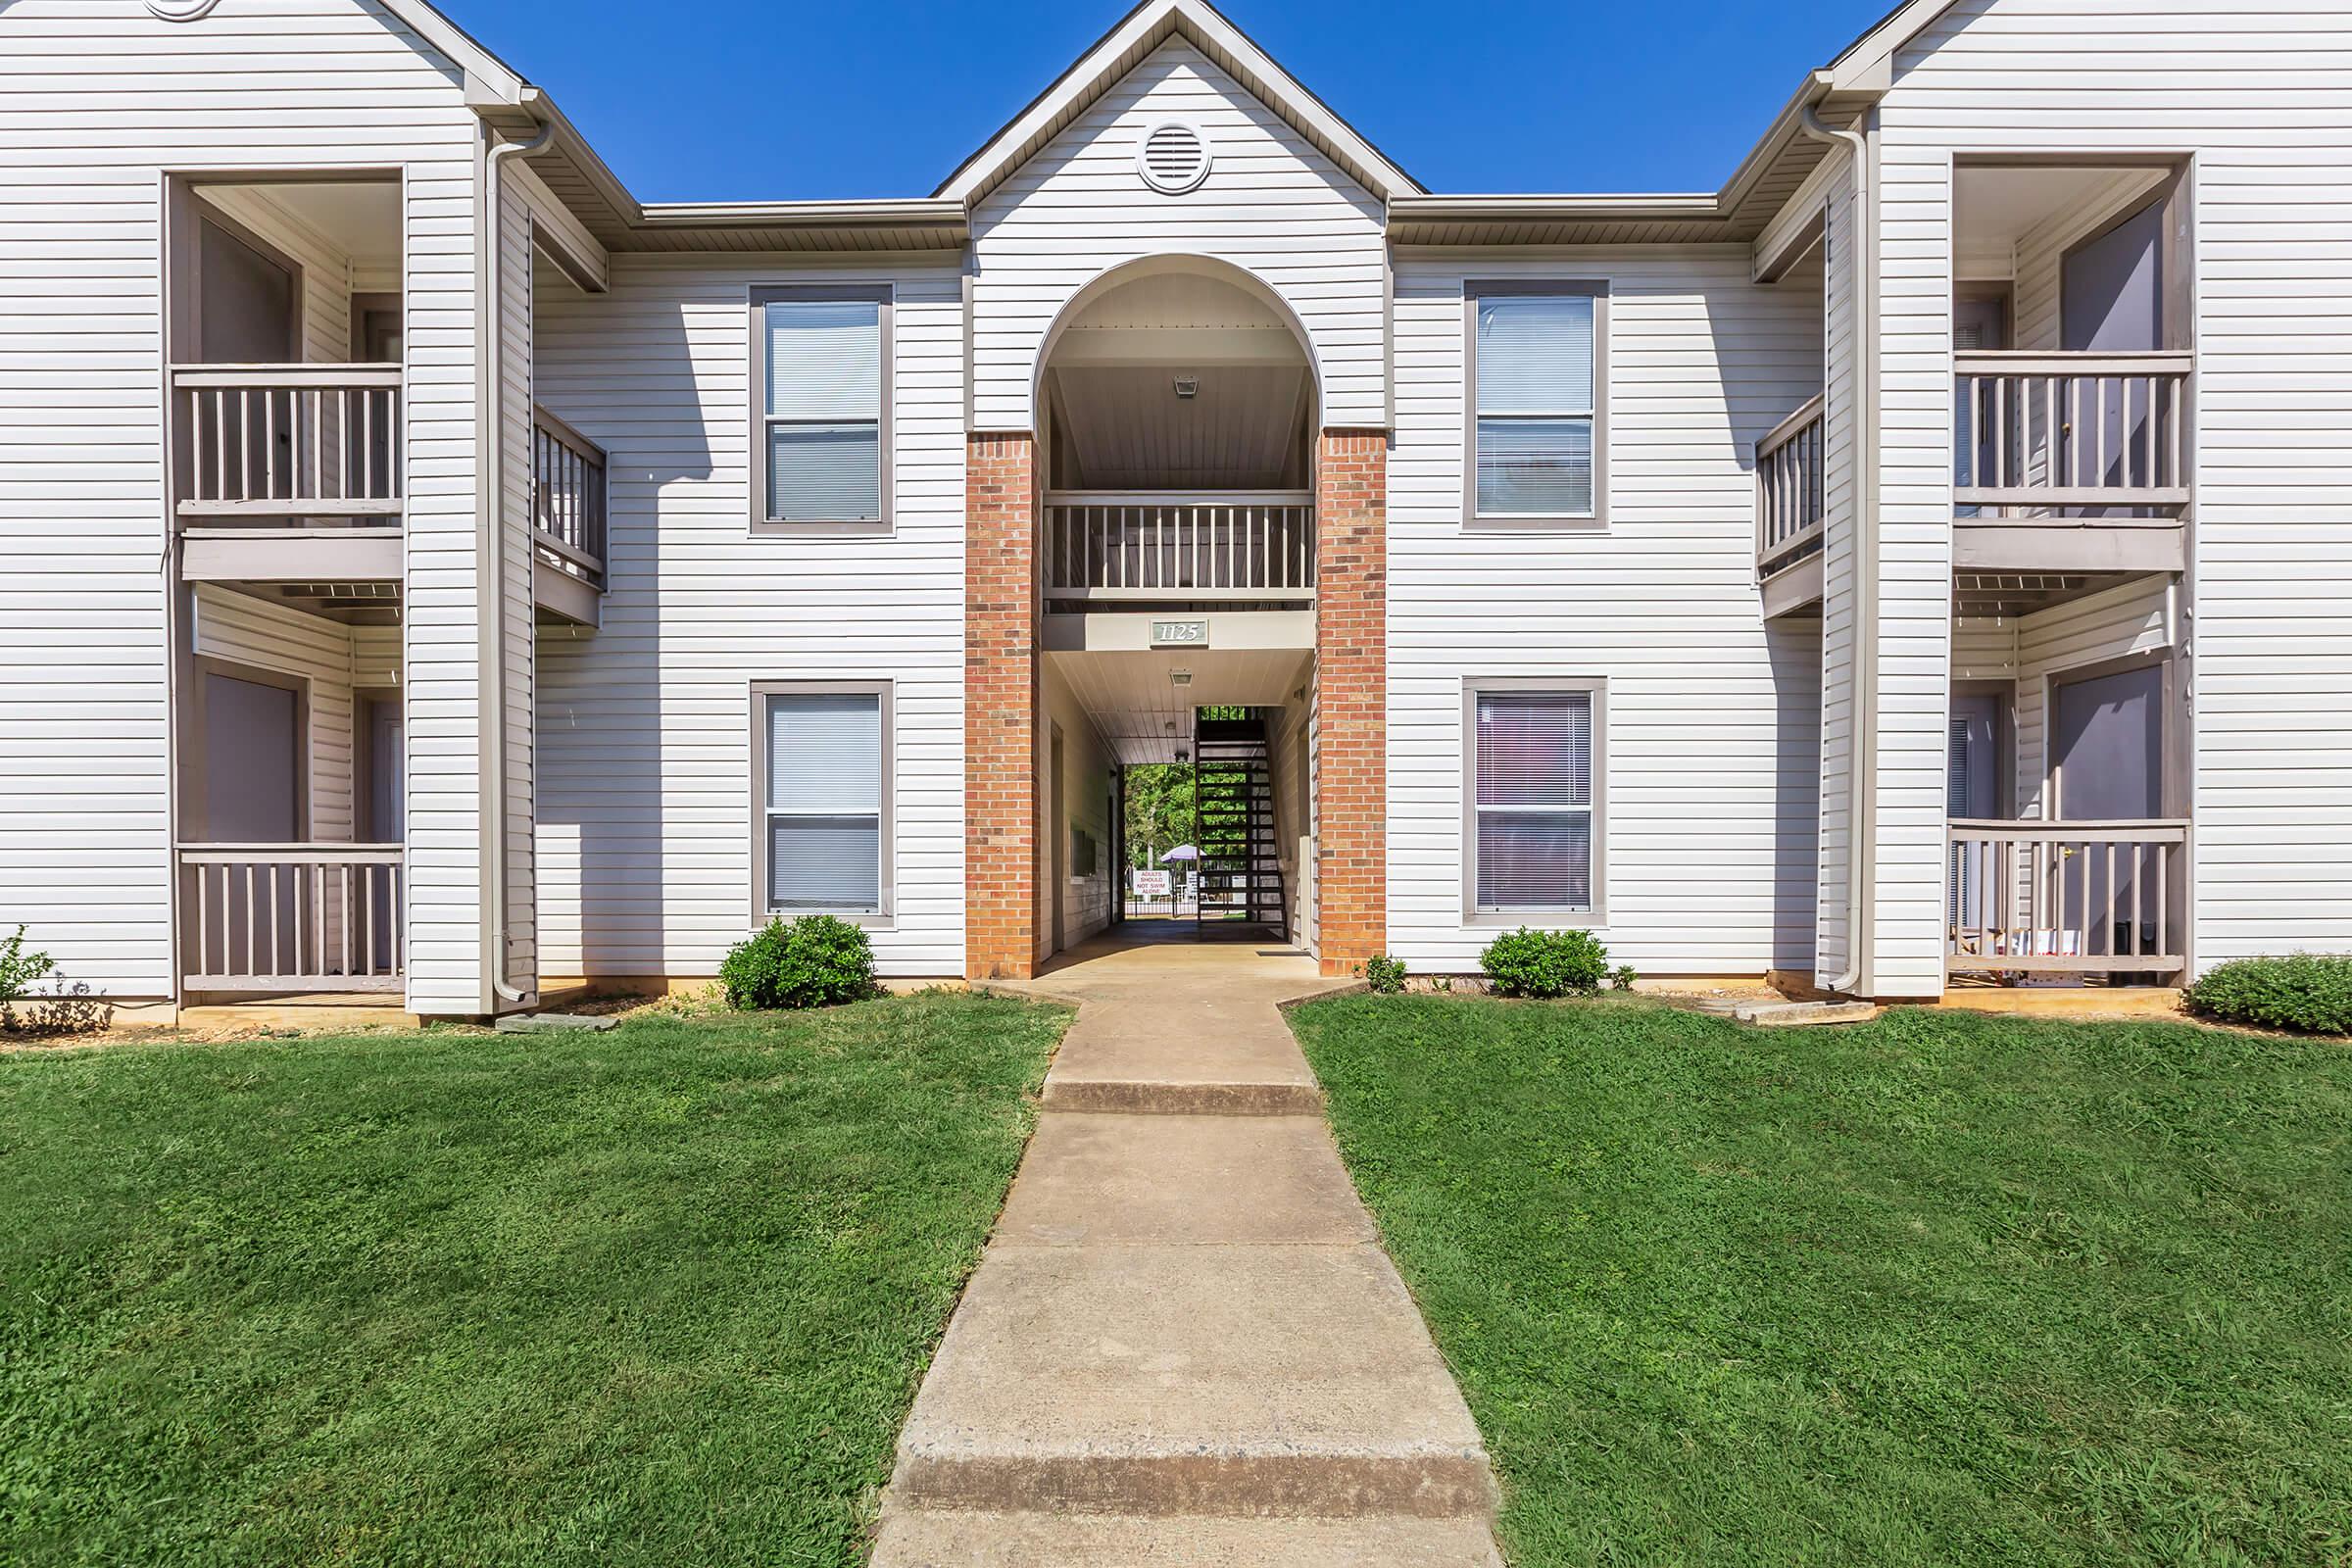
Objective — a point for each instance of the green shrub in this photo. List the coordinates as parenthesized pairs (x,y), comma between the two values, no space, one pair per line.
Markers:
(2306,990)
(1383,974)
(1546,963)
(64,1009)
(1622,977)
(18,969)
(815,962)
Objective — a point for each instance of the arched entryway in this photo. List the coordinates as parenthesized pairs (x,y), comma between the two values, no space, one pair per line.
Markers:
(1173,486)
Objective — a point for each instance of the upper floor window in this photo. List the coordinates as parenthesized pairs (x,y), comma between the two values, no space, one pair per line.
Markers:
(1535,777)
(1537,369)
(821,400)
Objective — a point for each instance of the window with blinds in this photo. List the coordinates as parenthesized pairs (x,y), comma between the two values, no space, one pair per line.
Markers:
(823,804)
(1535,405)
(821,366)
(1534,809)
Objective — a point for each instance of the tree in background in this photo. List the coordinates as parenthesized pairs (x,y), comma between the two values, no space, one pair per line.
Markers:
(1161,810)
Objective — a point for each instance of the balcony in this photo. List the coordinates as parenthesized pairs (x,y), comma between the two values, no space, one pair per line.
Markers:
(2074,463)
(568,512)
(1790,503)
(2070,899)
(292,918)
(1129,550)
(288,472)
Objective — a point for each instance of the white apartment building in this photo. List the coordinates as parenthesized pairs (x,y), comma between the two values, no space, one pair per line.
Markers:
(1925,561)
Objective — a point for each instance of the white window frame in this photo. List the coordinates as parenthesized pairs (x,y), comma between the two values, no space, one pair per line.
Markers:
(1477,914)
(886,833)
(885,296)
(1598,290)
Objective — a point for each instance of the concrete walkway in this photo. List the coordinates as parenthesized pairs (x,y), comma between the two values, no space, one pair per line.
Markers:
(1184,1344)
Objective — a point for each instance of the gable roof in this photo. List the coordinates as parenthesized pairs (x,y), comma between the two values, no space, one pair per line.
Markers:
(1125,46)
(1779,163)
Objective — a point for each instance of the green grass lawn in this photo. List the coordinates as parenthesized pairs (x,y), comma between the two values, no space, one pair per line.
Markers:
(655,1296)
(1936,1290)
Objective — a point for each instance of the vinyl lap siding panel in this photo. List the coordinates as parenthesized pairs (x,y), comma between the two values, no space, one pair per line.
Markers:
(1271,205)
(96,101)
(1842,318)
(2262,97)
(515,567)
(1713,732)
(645,767)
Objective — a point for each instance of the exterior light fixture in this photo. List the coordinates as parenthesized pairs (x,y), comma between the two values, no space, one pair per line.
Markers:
(1187,386)
(1181,677)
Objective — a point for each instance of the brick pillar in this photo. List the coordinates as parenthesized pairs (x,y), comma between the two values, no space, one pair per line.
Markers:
(1351,696)
(1000,708)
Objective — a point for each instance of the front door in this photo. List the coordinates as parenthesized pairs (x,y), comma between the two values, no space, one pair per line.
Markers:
(1059,841)
(2111,301)
(252,796)
(2106,765)
(1972,790)
(387,813)
(1980,322)
(247,311)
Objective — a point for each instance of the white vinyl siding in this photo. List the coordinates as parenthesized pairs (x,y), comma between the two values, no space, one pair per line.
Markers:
(1832,918)
(96,103)
(524,199)
(1534,402)
(822,425)
(825,783)
(1535,836)
(647,771)
(2258,97)
(1271,205)
(1712,715)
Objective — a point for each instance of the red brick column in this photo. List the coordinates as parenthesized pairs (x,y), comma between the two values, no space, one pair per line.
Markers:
(1000,708)
(1351,696)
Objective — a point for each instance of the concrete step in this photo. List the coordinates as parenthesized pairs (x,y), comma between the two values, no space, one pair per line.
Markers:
(1793,1014)
(1243,1181)
(932,1538)
(1125,1055)
(1247,1381)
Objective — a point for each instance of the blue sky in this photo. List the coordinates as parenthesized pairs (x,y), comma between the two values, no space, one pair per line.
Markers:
(734,99)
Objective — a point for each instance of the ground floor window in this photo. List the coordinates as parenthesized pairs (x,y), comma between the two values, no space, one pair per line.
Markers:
(821,757)
(1534,787)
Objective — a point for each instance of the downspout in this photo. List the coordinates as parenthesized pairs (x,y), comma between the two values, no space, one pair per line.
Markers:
(491,519)
(1861,855)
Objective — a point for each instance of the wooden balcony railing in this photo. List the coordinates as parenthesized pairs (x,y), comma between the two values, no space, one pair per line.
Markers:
(292,917)
(277,444)
(1216,546)
(1791,490)
(568,497)
(2045,432)
(2074,898)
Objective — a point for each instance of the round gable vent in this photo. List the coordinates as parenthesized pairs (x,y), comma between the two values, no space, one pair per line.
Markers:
(1173,156)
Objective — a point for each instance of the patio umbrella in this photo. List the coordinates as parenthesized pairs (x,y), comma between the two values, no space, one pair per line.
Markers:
(1182,852)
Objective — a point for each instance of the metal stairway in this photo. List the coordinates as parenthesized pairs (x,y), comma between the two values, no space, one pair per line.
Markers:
(1241,865)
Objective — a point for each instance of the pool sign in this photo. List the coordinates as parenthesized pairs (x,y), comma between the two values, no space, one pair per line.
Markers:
(1150,884)
(1180,634)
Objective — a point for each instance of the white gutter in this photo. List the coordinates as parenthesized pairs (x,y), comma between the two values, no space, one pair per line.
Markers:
(490,518)
(1861,854)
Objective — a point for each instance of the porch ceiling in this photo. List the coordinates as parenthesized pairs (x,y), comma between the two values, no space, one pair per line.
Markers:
(1143,716)
(2020,593)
